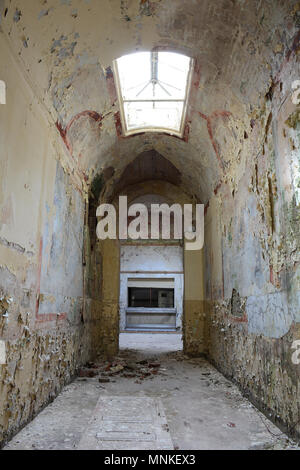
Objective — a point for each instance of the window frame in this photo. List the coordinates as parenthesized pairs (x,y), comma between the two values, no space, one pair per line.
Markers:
(139,130)
(150,289)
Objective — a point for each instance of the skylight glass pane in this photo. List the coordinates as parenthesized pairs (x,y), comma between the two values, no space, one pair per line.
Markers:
(172,72)
(165,115)
(153,90)
(134,73)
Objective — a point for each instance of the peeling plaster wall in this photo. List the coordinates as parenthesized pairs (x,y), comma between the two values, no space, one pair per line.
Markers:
(61,281)
(41,285)
(252,256)
(194,306)
(110,293)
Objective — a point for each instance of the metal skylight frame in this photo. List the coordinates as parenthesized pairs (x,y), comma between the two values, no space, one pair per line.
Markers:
(153,80)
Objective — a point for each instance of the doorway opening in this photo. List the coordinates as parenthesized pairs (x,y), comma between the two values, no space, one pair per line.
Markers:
(151,287)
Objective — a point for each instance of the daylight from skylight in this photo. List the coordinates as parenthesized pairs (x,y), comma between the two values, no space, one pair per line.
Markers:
(153,90)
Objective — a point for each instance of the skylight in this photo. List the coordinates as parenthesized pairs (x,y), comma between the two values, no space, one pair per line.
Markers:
(153,90)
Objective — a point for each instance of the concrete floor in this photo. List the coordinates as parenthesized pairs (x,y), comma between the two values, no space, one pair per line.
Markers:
(203,409)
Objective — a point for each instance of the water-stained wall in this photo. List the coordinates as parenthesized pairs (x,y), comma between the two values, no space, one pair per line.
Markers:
(44,325)
(195,309)
(252,256)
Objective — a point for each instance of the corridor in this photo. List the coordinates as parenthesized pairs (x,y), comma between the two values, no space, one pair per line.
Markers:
(224,419)
(149,224)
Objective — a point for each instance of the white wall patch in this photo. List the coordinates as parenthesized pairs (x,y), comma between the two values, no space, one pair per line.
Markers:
(2,352)
(2,92)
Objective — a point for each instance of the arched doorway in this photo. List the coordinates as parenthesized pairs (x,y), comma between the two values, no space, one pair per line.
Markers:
(167,279)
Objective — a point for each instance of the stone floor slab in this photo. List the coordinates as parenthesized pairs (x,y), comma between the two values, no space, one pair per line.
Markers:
(127,423)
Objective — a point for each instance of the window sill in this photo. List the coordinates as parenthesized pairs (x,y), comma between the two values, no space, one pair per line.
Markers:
(170,311)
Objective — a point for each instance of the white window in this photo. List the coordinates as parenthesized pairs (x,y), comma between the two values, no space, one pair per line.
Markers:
(2,92)
(153,91)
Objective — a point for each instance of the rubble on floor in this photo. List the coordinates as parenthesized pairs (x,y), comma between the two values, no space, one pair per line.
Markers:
(139,369)
(203,409)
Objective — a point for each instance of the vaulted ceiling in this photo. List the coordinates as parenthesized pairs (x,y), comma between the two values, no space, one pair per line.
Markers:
(66,49)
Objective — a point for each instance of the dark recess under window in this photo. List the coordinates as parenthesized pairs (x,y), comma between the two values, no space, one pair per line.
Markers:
(150,297)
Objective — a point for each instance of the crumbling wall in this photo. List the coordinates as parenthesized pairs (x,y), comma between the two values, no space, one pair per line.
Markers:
(195,316)
(44,324)
(110,289)
(252,255)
